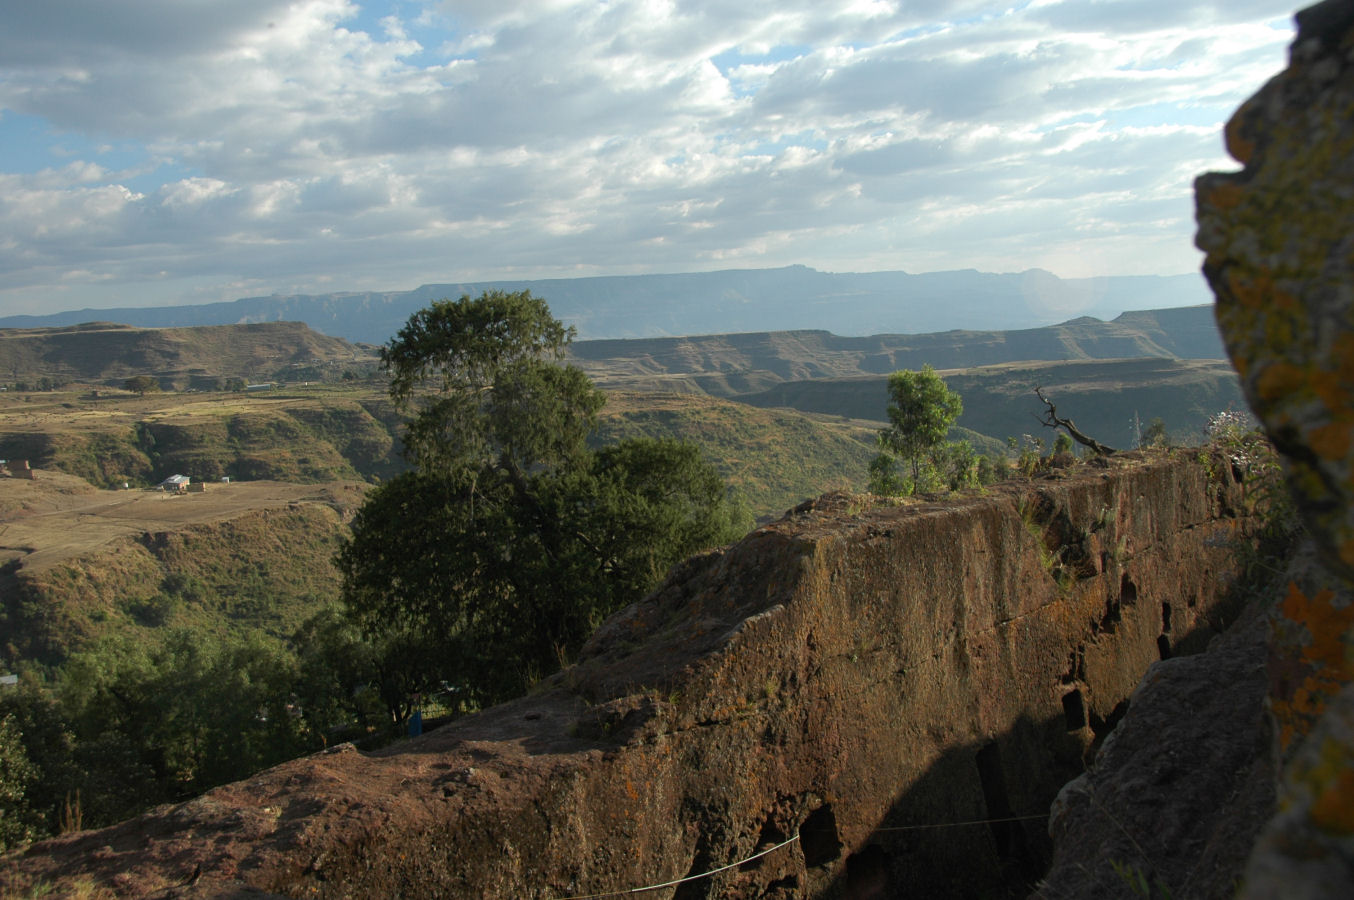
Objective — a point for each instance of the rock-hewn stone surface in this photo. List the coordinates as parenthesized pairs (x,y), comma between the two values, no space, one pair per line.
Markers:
(1180,788)
(849,679)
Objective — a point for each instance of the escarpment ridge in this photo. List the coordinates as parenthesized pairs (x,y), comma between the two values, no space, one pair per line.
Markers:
(840,682)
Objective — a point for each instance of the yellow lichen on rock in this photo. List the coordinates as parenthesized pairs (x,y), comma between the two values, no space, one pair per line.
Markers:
(1279,243)
(1311,660)
(1279,239)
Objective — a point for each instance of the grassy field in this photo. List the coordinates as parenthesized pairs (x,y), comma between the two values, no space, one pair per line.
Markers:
(305,434)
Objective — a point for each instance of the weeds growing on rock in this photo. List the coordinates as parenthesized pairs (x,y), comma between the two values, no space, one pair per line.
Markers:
(1137,882)
(1235,441)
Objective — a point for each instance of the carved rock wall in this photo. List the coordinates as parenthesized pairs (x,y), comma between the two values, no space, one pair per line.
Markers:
(849,679)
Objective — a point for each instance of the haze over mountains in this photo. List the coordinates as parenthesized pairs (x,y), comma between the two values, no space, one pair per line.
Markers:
(732,301)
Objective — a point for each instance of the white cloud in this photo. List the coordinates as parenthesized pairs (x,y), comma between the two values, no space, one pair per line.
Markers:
(368,145)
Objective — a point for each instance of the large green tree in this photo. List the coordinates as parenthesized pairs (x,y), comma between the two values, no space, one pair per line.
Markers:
(921,410)
(491,561)
(17,774)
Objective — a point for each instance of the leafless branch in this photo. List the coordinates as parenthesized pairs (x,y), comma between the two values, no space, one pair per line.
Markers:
(1052,420)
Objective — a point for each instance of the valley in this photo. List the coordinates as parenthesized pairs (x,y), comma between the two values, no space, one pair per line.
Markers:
(109,588)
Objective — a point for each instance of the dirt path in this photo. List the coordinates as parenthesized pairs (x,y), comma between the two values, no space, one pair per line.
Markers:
(57,516)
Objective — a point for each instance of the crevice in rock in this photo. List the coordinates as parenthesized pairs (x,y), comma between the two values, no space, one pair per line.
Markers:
(1018,860)
(770,835)
(996,797)
(1109,622)
(1074,710)
(818,837)
(1128,591)
(1103,726)
(700,888)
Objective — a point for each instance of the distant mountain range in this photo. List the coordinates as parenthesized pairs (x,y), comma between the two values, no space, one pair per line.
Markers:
(724,365)
(737,300)
(1166,363)
(727,365)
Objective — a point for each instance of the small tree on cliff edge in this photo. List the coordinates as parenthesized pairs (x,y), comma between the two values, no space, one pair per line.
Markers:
(509,542)
(921,411)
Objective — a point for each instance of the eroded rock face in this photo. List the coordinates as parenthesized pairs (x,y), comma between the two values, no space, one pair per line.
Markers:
(845,680)
(1181,787)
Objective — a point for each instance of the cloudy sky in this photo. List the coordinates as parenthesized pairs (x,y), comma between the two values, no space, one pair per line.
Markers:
(180,151)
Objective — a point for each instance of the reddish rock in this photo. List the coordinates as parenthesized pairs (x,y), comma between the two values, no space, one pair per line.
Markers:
(862,681)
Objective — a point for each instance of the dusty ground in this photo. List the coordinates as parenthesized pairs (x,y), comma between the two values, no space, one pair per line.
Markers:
(57,516)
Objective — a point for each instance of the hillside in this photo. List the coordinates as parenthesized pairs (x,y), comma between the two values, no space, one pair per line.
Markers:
(773,458)
(201,358)
(307,435)
(737,300)
(732,364)
(1165,363)
(658,386)
(1101,396)
(80,563)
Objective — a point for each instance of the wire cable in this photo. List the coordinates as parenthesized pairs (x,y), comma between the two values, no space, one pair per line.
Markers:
(666,884)
(785,843)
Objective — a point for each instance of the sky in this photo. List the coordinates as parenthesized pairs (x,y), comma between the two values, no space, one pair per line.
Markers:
(159,152)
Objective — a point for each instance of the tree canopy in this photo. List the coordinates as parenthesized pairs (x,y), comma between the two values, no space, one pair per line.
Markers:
(141,384)
(498,554)
(921,410)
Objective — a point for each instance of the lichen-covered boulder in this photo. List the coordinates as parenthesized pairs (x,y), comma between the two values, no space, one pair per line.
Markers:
(1279,239)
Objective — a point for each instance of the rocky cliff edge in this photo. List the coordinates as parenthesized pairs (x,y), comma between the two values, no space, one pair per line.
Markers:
(888,696)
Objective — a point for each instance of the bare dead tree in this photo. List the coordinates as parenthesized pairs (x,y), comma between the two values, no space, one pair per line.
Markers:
(1051,419)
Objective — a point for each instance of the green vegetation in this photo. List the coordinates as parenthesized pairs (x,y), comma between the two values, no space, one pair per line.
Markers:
(491,562)
(141,384)
(1155,434)
(17,776)
(265,572)
(130,723)
(307,438)
(920,412)
(1235,441)
(771,458)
